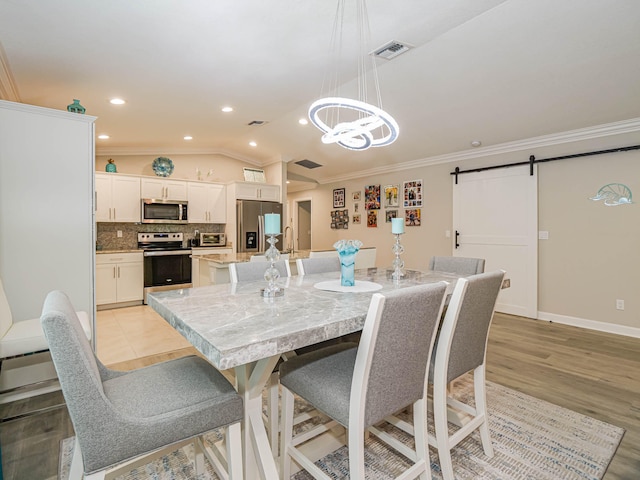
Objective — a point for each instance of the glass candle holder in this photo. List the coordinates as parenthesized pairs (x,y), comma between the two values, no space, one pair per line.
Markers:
(398,263)
(271,274)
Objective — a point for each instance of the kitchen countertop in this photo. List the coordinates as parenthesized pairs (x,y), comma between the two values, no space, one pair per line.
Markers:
(132,250)
(223,260)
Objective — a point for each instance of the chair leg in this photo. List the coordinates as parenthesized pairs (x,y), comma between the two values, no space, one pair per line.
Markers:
(480,393)
(273,411)
(442,430)
(198,457)
(356,453)
(420,436)
(77,466)
(234,452)
(286,433)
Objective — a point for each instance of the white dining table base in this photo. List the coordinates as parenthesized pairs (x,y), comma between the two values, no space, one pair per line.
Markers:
(258,457)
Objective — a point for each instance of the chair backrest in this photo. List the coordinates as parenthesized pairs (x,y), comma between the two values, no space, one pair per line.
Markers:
(250,271)
(462,341)
(459,265)
(366,258)
(6,320)
(394,352)
(79,371)
(308,266)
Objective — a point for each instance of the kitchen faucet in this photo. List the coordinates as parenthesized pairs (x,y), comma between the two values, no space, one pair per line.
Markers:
(286,240)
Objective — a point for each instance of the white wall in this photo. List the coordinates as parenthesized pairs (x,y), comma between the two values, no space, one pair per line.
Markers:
(46,208)
(591,258)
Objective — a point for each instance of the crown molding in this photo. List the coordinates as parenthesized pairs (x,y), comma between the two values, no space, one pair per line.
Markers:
(605,130)
(121,151)
(8,88)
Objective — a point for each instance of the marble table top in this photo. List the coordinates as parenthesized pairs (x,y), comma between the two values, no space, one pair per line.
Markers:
(232,324)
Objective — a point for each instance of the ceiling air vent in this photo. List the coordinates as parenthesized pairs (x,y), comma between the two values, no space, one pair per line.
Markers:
(308,164)
(256,123)
(391,49)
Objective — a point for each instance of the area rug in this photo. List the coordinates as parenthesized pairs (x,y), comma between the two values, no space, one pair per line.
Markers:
(532,439)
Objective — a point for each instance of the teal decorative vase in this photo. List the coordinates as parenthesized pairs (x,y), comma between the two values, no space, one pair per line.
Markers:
(75,107)
(347,250)
(110,166)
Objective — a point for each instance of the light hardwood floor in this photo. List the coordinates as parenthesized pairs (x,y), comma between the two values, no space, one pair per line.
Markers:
(593,373)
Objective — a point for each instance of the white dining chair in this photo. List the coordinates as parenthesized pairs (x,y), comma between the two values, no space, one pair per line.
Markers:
(119,417)
(357,386)
(250,271)
(308,266)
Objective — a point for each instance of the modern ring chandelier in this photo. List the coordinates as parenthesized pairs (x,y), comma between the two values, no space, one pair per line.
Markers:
(353,124)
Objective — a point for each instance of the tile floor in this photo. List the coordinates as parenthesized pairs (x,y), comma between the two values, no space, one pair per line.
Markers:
(134,332)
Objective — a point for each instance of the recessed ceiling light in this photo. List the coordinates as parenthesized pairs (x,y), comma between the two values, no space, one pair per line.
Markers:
(288,182)
(476,143)
(303,121)
(253,144)
(103,137)
(117,101)
(227,109)
(188,137)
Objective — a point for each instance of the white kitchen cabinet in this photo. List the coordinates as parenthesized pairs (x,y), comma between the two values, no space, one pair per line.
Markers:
(117,198)
(119,278)
(163,189)
(257,191)
(207,203)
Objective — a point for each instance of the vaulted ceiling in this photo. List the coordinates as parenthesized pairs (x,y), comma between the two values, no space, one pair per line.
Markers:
(491,70)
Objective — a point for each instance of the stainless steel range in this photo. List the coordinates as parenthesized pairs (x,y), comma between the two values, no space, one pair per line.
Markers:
(167,263)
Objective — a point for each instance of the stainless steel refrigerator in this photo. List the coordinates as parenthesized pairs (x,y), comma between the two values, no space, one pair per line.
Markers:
(250,225)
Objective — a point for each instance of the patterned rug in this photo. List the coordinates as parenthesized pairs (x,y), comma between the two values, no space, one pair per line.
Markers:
(532,439)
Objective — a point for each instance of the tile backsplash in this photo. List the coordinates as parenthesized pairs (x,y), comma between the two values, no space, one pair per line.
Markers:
(107,233)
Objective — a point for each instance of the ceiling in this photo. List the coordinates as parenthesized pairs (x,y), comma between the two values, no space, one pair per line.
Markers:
(497,71)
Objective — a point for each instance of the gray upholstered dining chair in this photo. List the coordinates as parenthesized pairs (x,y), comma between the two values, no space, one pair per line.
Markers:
(458,265)
(308,266)
(358,386)
(118,416)
(461,348)
(249,271)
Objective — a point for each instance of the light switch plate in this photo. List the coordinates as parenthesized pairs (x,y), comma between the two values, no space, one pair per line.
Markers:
(543,235)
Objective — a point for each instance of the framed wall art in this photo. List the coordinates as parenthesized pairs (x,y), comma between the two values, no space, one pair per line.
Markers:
(412,217)
(389,214)
(372,218)
(340,219)
(356,196)
(372,197)
(412,194)
(356,219)
(338,198)
(391,196)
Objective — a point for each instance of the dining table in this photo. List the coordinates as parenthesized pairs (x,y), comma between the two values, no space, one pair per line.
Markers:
(235,327)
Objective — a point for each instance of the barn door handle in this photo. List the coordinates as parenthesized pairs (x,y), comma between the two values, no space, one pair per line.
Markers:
(457,235)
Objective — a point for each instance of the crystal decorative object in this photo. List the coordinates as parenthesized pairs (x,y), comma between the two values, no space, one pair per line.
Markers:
(398,263)
(347,250)
(271,274)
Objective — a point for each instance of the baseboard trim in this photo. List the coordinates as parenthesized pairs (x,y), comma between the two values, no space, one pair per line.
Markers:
(590,324)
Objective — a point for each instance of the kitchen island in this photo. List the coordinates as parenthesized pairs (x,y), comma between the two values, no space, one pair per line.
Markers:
(218,264)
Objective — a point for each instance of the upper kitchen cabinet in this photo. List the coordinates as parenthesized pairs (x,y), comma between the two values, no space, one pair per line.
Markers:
(117,198)
(207,203)
(256,191)
(164,189)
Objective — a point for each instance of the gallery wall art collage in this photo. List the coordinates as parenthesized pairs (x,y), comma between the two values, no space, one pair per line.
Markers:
(388,201)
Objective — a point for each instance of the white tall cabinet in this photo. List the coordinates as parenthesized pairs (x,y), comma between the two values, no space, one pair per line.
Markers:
(47,233)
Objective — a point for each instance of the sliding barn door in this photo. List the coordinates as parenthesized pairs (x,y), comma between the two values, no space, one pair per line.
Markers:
(495,217)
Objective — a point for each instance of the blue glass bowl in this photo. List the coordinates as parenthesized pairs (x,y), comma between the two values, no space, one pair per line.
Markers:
(162,166)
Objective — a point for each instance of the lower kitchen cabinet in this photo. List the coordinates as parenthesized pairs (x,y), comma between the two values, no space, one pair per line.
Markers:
(119,278)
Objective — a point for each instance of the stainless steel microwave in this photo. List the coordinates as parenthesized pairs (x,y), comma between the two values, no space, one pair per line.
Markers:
(164,211)
(212,240)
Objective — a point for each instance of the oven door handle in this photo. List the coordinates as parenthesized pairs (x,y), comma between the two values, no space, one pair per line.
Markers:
(164,253)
